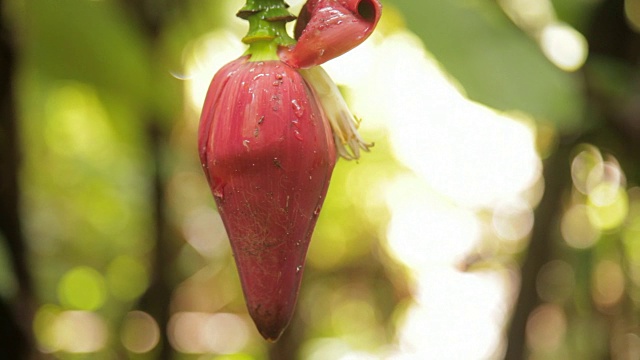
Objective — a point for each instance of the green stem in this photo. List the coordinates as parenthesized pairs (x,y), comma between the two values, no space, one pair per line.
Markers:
(267,28)
(262,51)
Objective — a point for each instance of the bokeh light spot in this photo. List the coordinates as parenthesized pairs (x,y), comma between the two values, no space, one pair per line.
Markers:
(607,209)
(631,238)
(203,229)
(82,288)
(43,329)
(576,228)
(604,183)
(226,333)
(609,283)
(80,331)
(564,46)
(529,14)
(587,164)
(513,220)
(546,328)
(632,11)
(631,241)
(140,332)
(632,342)
(197,333)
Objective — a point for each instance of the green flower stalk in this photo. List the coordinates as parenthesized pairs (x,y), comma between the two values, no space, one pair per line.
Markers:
(267,28)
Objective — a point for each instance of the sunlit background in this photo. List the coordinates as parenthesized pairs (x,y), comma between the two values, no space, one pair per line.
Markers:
(497,216)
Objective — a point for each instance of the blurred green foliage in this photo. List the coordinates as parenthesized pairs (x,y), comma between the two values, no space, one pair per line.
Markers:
(496,63)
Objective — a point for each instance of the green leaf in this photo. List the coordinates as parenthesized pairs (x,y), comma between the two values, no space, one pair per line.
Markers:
(91,42)
(496,63)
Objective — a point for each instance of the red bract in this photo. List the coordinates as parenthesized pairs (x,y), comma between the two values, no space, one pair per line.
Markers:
(329,28)
(268,154)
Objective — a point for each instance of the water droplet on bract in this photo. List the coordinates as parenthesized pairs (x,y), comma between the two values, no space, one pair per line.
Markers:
(298,268)
(218,190)
(339,22)
(246,143)
(316,212)
(297,108)
(279,76)
(297,135)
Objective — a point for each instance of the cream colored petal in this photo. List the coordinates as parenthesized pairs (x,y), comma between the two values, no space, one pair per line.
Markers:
(343,124)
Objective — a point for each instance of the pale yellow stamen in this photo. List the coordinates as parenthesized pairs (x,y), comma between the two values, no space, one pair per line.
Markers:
(343,124)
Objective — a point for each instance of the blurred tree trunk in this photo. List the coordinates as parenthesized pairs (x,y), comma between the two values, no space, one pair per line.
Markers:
(15,317)
(613,42)
(152,16)
(156,300)
(618,130)
(557,180)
